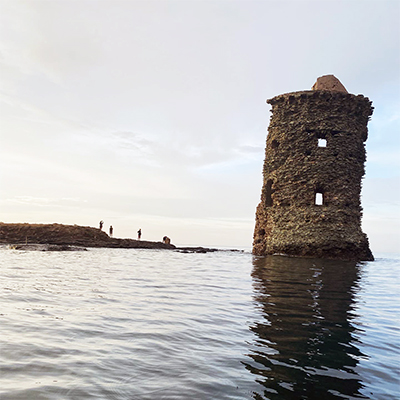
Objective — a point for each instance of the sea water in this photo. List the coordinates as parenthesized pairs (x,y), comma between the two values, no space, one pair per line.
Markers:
(157,324)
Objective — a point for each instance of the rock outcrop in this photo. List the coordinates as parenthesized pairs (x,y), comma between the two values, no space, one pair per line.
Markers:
(69,235)
(314,162)
(58,237)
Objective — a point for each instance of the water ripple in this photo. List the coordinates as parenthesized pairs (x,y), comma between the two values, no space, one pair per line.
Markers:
(148,324)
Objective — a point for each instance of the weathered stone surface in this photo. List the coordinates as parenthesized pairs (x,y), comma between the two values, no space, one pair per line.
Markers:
(329,82)
(296,168)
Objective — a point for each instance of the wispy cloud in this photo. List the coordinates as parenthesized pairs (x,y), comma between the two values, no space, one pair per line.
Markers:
(43,201)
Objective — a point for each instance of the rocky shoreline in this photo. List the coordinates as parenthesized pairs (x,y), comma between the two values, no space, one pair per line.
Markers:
(59,237)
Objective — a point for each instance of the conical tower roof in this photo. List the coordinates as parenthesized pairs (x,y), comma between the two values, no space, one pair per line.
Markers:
(329,82)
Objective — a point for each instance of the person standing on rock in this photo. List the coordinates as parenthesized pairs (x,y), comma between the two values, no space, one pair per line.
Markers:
(139,233)
(101,225)
(111,230)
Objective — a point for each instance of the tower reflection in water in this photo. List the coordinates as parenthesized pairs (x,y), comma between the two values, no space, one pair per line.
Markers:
(305,342)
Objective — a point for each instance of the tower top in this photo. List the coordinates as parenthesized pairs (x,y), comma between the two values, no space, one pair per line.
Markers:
(330,83)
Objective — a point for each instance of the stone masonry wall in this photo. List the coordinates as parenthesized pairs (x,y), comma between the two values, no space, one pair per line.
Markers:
(296,168)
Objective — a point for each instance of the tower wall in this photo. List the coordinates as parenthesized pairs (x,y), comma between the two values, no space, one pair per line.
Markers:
(296,168)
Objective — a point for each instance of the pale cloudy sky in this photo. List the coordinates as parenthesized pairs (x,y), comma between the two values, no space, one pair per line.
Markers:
(152,114)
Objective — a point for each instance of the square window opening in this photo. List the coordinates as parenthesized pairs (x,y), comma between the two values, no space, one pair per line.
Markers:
(319,199)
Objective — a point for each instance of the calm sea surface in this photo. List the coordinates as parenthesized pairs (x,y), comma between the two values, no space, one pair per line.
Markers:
(151,324)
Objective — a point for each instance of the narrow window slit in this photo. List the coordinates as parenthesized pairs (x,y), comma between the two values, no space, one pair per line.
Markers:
(268,193)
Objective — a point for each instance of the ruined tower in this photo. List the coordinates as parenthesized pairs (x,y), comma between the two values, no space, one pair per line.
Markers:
(314,162)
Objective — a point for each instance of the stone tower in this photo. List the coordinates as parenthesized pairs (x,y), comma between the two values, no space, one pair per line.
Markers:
(314,162)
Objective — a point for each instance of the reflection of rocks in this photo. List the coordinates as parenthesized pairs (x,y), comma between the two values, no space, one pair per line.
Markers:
(46,247)
(305,346)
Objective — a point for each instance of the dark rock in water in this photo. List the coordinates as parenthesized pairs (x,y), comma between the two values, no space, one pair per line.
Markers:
(195,250)
(314,162)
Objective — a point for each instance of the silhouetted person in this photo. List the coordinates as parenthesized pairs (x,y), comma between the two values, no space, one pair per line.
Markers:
(101,225)
(111,230)
(139,234)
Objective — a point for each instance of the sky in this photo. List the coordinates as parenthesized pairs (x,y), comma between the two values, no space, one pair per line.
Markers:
(153,115)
